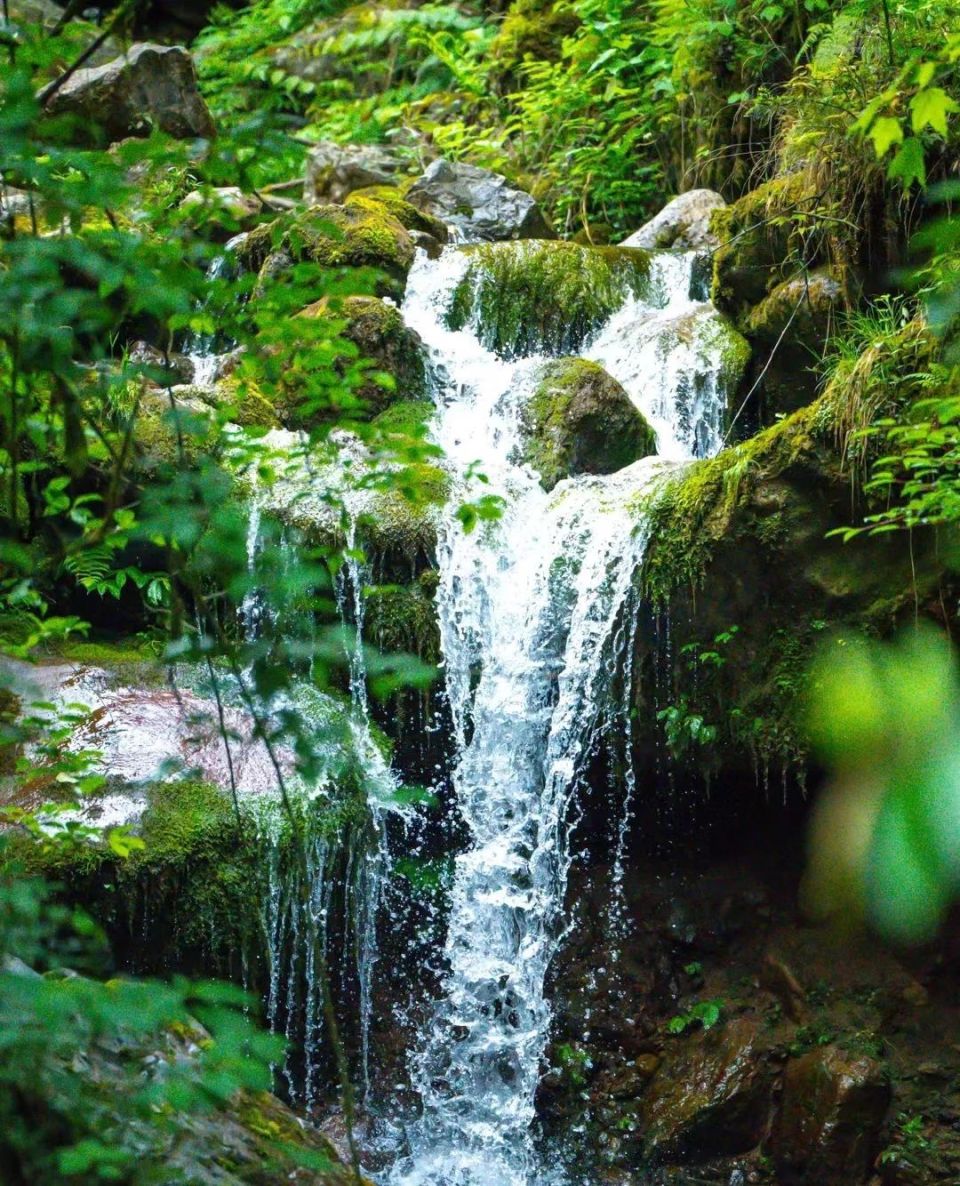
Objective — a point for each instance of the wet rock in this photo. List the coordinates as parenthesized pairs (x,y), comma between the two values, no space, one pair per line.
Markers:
(544,297)
(778,977)
(336,170)
(171,367)
(711,1097)
(222,212)
(579,420)
(150,86)
(828,1130)
(481,204)
(683,224)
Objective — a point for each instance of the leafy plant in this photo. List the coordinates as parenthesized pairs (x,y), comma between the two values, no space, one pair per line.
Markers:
(705,1014)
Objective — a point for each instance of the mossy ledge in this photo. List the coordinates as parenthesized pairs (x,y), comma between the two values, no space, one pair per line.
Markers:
(743,541)
(539,296)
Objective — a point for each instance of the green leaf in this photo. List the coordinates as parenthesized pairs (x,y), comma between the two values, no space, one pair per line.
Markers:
(885,132)
(930,108)
(908,165)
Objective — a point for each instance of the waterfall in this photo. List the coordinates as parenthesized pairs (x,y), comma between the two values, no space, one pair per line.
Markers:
(535,621)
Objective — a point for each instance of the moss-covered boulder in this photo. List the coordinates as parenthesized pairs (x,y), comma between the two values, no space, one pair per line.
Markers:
(390,353)
(763,239)
(390,199)
(549,297)
(743,539)
(353,236)
(789,329)
(579,420)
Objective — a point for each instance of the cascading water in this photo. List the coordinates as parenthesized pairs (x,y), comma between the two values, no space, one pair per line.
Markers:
(534,624)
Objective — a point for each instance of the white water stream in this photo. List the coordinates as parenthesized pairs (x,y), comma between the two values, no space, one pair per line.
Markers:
(531,612)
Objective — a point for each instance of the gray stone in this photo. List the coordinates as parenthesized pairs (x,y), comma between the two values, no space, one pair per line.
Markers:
(683,224)
(481,204)
(336,170)
(150,86)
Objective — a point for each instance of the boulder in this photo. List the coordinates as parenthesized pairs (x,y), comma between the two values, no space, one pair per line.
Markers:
(544,297)
(790,327)
(336,170)
(829,1125)
(479,203)
(332,237)
(683,224)
(384,341)
(167,369)
(579,420)
(710,1099)
(388,200)
(150,86)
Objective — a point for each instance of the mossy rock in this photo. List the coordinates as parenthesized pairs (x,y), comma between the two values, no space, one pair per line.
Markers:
(763,237)
(399,532)
(790,328)
(579,420)
(355,361)
(406,418)
(389,199)
(354,236)
(173,429)
(403,618)
(544,296)
(743,539)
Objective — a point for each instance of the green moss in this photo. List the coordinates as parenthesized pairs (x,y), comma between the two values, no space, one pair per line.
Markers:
(537,296)
(403,618)
(403,522)
(389,200)
(356,236)
(763,239)
(407,418)
(580,420)
(693,511)
(245,402)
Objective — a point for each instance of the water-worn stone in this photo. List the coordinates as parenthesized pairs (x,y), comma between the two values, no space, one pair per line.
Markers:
(683,224)
(150,86)
(336,170)
(580,420)
(482,204)
(710,1098)
(827,1133)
